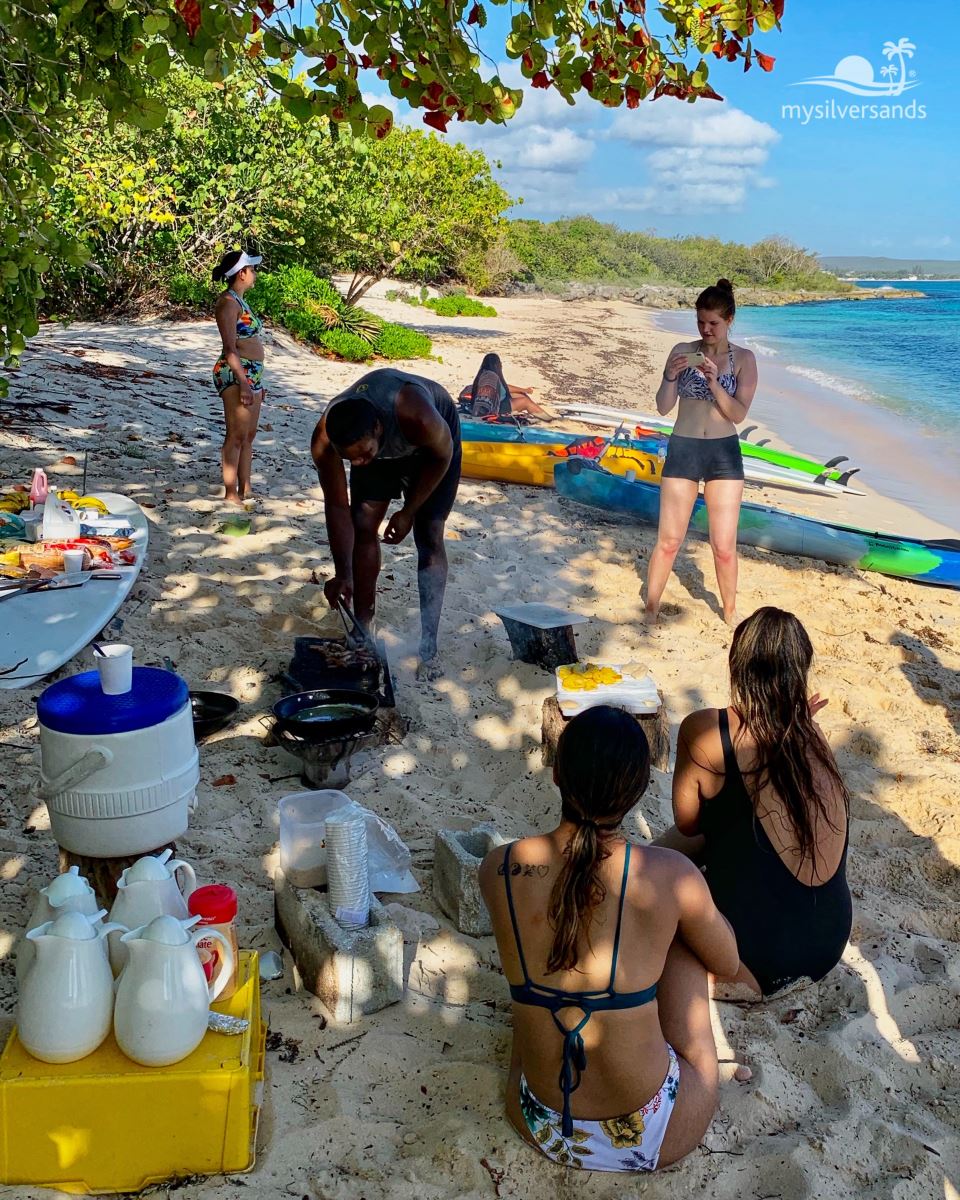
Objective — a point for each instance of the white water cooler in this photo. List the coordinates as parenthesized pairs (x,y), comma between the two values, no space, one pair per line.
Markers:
(119,774)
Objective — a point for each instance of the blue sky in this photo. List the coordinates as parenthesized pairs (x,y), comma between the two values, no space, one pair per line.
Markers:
(742,170)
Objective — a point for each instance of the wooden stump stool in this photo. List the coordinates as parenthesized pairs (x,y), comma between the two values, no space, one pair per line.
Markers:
(654,725)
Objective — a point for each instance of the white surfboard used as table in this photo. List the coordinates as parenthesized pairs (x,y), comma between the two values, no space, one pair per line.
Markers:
(42,630)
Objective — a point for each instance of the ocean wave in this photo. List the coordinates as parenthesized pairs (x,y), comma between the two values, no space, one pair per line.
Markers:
(760,348)
(846,387)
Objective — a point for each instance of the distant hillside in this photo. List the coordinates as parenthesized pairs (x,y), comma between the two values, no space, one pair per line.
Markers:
(855,267)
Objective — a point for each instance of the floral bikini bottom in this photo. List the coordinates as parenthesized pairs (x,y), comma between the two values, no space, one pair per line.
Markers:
(223,376)
(630,1143)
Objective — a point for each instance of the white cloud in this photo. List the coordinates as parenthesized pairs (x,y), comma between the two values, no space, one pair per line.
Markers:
(934,243)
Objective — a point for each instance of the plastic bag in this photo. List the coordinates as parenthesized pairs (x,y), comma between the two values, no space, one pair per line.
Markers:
(388,859)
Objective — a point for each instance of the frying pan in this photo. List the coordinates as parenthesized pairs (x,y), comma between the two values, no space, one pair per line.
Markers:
(361,721)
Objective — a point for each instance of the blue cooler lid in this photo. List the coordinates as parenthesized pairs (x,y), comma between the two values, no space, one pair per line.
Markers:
(78,705)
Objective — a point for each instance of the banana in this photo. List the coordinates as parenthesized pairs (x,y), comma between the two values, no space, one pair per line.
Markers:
(91,502)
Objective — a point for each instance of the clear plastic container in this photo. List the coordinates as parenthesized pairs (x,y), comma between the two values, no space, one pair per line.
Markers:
(303,855)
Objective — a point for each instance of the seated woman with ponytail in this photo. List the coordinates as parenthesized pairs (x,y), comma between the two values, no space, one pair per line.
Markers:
(606,947)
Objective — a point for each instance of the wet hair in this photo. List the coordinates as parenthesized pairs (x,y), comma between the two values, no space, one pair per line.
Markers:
(718,298)
(602,769)
(349,420)
(770,660)
(229,260)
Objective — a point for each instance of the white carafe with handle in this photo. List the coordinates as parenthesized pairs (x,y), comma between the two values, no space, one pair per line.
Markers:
(147,889)
(69,892)
(163,998)
(66,998)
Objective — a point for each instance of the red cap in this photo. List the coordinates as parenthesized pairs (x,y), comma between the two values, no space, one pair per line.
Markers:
(216,904)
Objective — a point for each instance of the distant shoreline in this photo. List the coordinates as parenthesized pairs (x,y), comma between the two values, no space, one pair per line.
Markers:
(669,297)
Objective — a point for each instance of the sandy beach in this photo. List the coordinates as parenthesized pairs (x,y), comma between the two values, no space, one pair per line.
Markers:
(853,1090)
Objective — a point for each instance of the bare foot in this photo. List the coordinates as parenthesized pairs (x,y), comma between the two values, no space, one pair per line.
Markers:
(233,498)
(732,619)
(651,616)
(429,667)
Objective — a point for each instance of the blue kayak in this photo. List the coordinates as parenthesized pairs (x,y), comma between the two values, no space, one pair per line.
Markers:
(936,562)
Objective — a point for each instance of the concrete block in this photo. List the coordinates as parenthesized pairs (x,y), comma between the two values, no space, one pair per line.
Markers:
(456,888)
(352,971)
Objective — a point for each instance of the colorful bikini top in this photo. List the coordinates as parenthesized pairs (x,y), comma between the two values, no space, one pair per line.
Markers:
(589,1002)
(692,384)
(248,325)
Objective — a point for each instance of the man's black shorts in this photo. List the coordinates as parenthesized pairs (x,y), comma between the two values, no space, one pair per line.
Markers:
(391,478)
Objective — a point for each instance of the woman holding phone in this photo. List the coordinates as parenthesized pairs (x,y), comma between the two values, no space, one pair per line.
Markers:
(714,383)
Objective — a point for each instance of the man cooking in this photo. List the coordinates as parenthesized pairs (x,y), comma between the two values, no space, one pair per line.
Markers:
(401,436)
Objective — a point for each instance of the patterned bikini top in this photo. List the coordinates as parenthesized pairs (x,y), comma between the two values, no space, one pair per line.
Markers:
(692,384)
(248,325)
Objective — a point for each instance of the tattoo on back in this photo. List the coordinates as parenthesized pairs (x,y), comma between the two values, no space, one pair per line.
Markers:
(526,869)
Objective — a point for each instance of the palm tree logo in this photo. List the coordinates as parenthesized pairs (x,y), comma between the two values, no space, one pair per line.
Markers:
(855,74)
(902,50)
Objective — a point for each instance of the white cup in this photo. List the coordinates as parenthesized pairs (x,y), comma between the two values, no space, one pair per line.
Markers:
(115,665)
(73,561)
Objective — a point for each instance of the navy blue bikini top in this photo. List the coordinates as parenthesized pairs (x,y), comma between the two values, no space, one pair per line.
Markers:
(555,999)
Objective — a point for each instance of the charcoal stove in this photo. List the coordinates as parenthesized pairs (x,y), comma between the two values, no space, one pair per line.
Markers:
(326,764)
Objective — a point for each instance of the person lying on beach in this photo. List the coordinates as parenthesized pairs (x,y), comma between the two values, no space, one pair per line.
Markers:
(760,804)
(607,949)
(713,383)
(491,395)
(401,436)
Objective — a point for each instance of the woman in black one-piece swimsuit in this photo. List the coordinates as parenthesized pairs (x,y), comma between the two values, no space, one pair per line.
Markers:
(758,796)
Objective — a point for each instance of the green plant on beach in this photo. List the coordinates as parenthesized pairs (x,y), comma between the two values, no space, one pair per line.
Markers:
(347,345)
(459,306)
(397,341)
(113,56)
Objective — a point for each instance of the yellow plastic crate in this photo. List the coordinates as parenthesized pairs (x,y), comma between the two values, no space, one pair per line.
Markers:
(106,1124)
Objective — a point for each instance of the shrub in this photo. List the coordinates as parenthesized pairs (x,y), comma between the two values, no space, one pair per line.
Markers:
(359,322)
(460,306)
(398,341)
(294,288)
(346,345)
(193,292)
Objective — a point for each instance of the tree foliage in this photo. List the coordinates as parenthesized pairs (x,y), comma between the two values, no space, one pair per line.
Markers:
(232,166)
(55,54)
(584,250)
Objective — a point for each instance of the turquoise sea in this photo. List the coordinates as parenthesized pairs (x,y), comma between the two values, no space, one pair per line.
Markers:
(900,354)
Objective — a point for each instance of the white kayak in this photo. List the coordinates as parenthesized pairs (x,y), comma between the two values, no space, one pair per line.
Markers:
(40,631)
(756,455)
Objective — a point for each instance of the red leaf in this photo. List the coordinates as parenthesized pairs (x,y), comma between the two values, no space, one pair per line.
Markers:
(331,62)
(474,15)
(587,80)
(434,91)
(189,11)
(765,61)
(633,97)
(256,23)
(527,60)
(778,8)
(436,120)
(224,781)
(366,61)
(540,80)
(267,7)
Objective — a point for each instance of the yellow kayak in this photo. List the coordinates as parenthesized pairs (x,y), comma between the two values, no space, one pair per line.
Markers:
(533,464)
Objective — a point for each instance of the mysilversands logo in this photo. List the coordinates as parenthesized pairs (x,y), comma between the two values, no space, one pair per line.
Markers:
(855,76)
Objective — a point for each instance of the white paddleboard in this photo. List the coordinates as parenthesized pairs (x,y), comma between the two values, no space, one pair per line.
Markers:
(46,629)
(755,470)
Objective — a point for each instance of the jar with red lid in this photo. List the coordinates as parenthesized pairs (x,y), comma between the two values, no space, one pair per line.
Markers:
(216,905)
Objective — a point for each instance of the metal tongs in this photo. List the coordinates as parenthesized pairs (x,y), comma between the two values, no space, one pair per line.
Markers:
(358,636)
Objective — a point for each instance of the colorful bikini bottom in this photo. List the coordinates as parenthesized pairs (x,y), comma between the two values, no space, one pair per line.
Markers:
(630,1143)
(223,376)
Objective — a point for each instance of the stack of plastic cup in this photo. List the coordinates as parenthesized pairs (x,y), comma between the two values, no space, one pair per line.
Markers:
(348,879)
